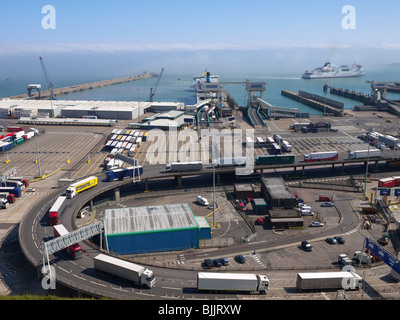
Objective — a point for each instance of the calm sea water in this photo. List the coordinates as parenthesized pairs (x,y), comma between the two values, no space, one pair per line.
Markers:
(179,88)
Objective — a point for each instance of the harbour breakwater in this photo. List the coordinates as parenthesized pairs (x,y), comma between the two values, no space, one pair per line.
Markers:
(45,94)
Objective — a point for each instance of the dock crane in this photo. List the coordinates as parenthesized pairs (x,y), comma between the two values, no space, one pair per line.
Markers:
(153,90)
(49,84)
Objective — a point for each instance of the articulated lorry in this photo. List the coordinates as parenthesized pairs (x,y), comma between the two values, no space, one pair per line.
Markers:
(15,191)
(56,210)
(321,156)
(184,166)
(328,281)
(24,181)
(8,196)
(139,275)
(80,186)
(364,154)
(240,282)
(120,174)
(13,183)
(74,250)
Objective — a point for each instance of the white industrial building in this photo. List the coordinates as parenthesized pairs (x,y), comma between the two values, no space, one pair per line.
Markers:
(115,110)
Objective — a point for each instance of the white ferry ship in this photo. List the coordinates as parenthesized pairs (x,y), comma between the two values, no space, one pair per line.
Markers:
(331,71)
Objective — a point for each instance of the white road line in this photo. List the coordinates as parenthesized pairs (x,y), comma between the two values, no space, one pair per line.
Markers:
(100,284)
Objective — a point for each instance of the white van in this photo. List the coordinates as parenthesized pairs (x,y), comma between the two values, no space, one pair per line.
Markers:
(202,200)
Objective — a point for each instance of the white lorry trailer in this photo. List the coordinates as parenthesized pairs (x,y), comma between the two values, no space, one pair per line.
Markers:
(139,275)
(363,154)
(184,166)
(343,280)
(240,282)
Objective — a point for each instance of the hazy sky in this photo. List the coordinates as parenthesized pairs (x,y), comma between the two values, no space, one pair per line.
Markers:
(114,38)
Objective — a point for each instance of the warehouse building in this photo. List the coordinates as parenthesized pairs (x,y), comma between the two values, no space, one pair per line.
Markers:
(153,229)
(286,219)
(277,194)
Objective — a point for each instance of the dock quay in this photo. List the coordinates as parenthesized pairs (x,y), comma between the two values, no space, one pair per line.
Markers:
(311,101)
(358,96)
(45,94)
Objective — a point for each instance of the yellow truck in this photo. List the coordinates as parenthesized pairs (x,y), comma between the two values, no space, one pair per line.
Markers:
(80,186)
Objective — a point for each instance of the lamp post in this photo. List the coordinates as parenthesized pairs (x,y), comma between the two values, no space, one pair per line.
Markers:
(366,172)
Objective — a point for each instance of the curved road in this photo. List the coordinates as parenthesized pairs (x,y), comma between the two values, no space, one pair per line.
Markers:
(80,274)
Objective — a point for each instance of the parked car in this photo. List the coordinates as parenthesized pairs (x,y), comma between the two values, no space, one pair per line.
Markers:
(30,190)
(307,213)
(306,245)
(339,240)
(240,259)
(331,240)
(300,200)
(316,224)
(217,263)
(260,221)
(224,261)
(207,264)
(327,204)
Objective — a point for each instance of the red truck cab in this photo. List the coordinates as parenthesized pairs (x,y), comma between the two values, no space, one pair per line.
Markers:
(74,250)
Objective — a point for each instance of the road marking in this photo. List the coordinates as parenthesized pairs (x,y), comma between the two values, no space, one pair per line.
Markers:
(79,277)
(100,284)
(171,288)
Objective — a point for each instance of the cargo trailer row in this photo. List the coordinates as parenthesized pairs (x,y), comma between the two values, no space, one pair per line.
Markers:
(14,138)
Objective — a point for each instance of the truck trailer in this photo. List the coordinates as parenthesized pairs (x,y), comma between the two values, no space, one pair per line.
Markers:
(74,250)
(139,275)
(20,179)
(120,174)
(13,183)
(184,166)
(328,281)
(56,210)
(231,162)
(240,282)
(321,156)
(15,191)
(363,154)
(80,186)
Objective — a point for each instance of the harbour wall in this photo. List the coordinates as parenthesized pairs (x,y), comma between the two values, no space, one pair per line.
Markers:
(325,108)
(45,94)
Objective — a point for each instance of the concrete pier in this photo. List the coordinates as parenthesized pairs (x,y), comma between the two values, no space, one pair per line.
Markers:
(358,96)
(87,86)
(325,108)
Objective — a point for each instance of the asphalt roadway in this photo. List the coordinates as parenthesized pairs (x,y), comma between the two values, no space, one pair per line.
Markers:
(178,280)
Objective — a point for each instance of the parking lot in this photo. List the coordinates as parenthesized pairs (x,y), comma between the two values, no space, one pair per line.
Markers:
(56,149)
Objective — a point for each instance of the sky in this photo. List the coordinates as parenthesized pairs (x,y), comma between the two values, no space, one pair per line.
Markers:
(96,39)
